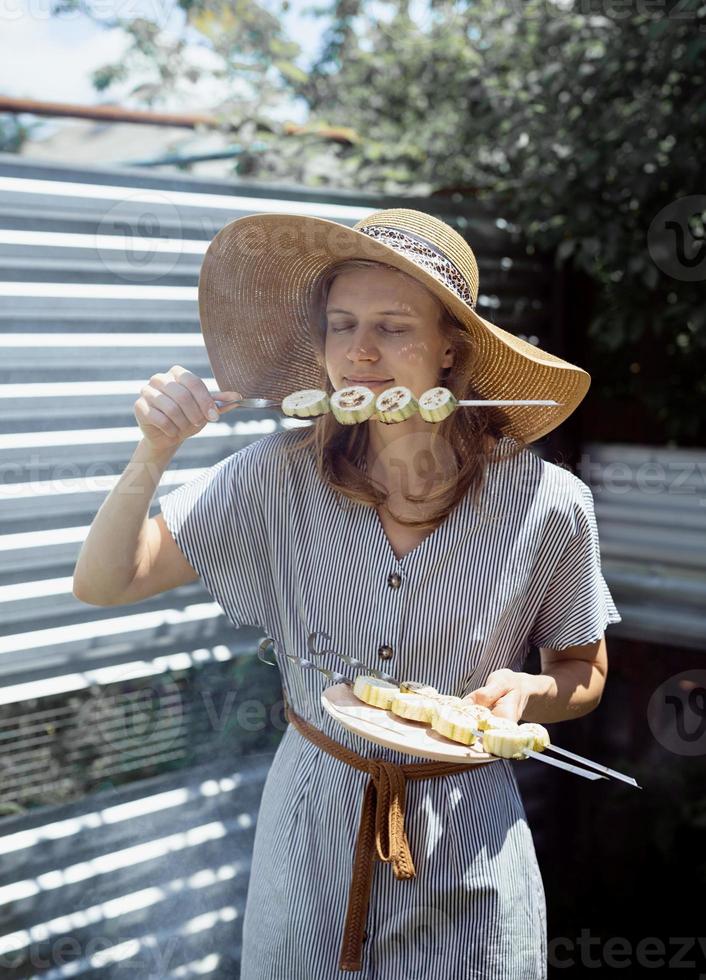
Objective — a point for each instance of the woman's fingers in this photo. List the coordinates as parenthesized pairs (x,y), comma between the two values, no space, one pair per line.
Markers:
(177,404)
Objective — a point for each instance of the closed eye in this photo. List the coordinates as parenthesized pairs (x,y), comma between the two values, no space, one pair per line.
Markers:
(384,330)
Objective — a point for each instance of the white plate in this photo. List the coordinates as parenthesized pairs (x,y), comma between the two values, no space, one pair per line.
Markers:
(387,729)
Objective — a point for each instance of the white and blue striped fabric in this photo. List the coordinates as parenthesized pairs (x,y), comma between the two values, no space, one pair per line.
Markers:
(278,549)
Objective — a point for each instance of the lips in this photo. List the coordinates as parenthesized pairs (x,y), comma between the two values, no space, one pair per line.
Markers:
(371,381)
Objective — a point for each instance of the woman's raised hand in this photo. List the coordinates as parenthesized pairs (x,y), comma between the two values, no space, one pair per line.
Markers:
(175,405)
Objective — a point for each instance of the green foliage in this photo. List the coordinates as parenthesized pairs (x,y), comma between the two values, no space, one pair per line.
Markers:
(576,125)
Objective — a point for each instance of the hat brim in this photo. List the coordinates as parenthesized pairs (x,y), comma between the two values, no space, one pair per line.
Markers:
(255,289)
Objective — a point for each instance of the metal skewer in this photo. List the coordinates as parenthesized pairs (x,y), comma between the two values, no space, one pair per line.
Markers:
(594,765)
(351,661)
(248,403)
(332,675)
(509,401)
(271,403)
(603,771)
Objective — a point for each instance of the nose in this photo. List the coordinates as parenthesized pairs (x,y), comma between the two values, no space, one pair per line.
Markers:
(362,345)
(361,363)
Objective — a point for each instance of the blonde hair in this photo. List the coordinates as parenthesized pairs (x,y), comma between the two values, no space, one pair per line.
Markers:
(470,432)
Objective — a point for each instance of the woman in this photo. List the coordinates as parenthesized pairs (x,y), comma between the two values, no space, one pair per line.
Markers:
(436,552)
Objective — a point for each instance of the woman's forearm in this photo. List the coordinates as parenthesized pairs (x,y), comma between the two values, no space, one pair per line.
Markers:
(112,550)
(564,690)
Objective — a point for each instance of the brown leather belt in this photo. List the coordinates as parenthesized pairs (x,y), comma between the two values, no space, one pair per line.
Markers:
(381,831)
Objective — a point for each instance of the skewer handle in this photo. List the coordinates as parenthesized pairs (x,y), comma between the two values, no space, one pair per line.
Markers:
(350,661)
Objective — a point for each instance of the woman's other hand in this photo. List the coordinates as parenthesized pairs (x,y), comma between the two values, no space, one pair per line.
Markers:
(505,693)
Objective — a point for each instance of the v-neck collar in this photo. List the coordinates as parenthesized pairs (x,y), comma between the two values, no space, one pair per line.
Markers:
(425,543)
(447,525)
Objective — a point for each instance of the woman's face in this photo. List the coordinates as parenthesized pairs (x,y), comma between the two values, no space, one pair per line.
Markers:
(384,325)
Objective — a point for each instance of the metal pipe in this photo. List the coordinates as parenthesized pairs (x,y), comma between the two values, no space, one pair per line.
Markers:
(110,113)
(147,117)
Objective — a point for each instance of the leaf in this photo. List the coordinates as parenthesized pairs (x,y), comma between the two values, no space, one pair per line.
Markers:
(291,71)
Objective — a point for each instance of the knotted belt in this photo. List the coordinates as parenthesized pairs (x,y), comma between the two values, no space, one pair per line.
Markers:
(381,831)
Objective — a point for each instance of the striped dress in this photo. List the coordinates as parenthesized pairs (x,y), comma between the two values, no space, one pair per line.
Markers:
(277,549)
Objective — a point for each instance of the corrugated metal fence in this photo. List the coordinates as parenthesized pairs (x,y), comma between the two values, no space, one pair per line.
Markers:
(651,513)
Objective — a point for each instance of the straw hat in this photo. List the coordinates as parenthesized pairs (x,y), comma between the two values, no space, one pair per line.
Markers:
(258,277)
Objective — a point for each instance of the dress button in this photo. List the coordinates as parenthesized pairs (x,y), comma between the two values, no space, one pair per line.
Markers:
(394,580)
(385,652)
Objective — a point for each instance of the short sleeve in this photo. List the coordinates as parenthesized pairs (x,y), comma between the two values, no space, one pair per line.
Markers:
(577,605)
(217,521)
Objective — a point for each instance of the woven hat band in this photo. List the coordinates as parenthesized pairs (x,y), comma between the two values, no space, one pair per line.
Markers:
(425,255)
